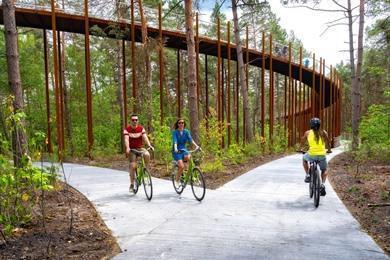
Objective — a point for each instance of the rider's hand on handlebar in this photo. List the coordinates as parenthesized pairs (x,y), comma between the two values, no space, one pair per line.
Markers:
(151,148)
(329,151)
(176,151)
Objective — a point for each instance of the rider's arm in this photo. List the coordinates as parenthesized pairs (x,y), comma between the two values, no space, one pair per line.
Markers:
(303,141)
(126,137)
(327,141)
(174,141)
(191,140)
(146,139)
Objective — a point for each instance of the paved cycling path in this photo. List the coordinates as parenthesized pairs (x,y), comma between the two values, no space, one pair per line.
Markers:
(264,214)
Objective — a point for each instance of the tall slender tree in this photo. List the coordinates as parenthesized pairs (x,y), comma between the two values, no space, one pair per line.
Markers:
(19,140)
(192,80)
(241,68)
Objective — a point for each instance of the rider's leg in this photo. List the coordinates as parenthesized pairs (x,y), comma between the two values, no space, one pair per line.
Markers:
(133,167)
(186,159)
(324,174)
(180,165)
(147,158)
(324,170)
(305,166)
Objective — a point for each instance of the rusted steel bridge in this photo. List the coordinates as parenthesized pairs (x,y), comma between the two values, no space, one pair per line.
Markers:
(308,91)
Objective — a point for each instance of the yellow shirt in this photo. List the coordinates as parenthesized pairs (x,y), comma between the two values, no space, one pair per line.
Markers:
(314,147)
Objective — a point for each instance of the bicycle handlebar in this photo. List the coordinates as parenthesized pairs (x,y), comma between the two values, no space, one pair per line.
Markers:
(190,151)
(135,151)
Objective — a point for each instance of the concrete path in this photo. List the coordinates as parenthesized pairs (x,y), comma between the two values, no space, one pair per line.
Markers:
(264,214)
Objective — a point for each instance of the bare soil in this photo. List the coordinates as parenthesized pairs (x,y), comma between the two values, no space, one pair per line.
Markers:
(50,237)
(365,191)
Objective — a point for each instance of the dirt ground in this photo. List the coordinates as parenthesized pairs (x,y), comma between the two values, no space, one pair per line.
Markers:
(365,190)
(90,238)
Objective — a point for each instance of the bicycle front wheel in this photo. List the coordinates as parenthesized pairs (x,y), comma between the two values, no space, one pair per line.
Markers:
(177,186)
(148,186)
(317,188)
(198,185)
(136,182)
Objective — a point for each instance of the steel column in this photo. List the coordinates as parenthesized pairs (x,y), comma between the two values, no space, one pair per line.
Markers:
(133,69)
(262,84)
(290,114)
(161,64)
(178,93)
(197,64)
(56,87)
(313,88)
(88,79)
(300,103)
(49,146)
(124,87)
(271,93)
(228,85)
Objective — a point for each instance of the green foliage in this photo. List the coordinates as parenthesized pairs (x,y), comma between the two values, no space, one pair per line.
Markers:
(19,191)
(375,133)
(210,139)
(234,154)
(212,166)
(161,138)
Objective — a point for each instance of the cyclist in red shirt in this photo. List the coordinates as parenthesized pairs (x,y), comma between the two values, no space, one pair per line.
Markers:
(135,137)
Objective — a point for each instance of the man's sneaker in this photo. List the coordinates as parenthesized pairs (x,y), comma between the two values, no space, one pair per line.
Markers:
(131,189)
(177,183)
(307,178)
(322,190)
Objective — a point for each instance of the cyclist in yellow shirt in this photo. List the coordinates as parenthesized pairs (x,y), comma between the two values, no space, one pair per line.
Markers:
(319,145)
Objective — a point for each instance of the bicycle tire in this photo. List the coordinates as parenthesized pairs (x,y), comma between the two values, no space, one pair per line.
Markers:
(136,182)
(198,184)
(148,185)
(311,183)
(179,189)
(317,186)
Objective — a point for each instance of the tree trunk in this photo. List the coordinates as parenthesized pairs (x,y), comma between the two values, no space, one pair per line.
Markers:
(11,46)
(244,88)
(355,98)
(192,99)
(148,69)
(120,95)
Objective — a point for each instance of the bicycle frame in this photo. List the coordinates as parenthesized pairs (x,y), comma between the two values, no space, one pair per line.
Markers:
(142,175)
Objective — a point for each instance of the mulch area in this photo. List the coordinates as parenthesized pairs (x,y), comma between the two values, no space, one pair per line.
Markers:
(365,191)
(52,239)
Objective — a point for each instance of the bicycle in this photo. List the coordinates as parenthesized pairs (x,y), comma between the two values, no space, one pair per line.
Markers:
(315,181)
(142,175)
(193,175)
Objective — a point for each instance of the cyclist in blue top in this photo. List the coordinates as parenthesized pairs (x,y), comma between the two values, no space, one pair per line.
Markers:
(180,137)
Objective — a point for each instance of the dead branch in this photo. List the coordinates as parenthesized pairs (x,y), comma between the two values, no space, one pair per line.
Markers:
(375,205)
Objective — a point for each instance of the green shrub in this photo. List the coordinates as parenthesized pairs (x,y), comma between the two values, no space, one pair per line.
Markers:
(375,134)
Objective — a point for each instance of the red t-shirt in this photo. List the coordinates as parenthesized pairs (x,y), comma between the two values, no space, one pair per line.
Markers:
(135,136)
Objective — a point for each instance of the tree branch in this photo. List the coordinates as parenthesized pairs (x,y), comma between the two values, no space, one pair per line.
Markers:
(343,7)
(173,8)
(315,9)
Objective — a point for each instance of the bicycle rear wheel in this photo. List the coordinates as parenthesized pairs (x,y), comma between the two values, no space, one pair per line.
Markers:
(178,188)
(317,188)
(198,185)
(148,186)
(311,184)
